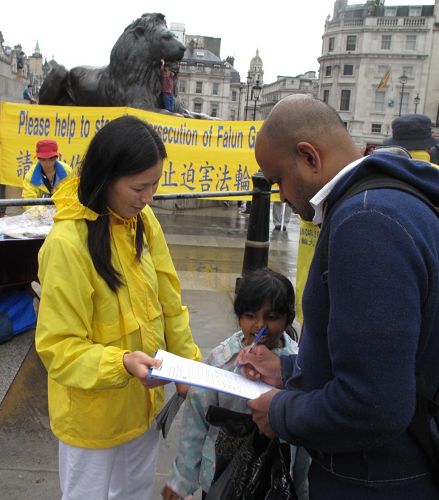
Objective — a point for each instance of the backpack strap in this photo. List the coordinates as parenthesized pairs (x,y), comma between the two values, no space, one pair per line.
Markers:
(379,181)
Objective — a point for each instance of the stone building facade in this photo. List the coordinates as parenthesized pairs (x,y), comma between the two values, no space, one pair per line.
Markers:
(379,62)
(17,70)
(272,93)
(207,84)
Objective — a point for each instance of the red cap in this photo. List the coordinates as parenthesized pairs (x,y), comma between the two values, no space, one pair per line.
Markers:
(47,148)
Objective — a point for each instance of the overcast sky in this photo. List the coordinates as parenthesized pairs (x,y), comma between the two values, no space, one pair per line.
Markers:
(288,33)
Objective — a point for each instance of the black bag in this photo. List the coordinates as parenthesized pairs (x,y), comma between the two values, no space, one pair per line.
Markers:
(424,427)
(249,466)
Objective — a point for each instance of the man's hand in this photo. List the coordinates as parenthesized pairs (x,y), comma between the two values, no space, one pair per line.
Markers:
(138,363)
(259,408)
(260,364)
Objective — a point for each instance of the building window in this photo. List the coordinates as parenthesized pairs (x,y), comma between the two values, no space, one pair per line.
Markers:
(351,42)
(198,107)
(214,109)
(382,70)
(328,70)
(407,70)
(198,87)
(215,88)
(415,11)
(200,67)
(232,114)
(376,128)
(345,100)
(326,96)
(348,69)
(386,42)
(379,101)
(390,11)
(182,86)
(410,42)
(234,94)
(331,44)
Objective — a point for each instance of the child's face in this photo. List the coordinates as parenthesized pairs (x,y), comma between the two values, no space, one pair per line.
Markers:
(252,322)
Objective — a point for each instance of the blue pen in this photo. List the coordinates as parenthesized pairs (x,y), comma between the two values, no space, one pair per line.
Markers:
(255,341)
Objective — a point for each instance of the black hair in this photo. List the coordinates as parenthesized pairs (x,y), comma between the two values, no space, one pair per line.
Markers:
(264,285)
(124,146)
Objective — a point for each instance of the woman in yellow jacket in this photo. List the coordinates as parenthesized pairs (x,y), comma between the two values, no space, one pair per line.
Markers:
(110,297)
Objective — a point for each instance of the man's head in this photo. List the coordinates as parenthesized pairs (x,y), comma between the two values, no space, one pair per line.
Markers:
(47,153)
(301,146)
(29,85)
(412,132)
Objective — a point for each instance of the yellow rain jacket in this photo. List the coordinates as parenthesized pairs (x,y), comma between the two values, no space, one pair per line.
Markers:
(84,328)
(33,185)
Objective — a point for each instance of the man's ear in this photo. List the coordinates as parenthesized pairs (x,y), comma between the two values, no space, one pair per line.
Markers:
(308,153)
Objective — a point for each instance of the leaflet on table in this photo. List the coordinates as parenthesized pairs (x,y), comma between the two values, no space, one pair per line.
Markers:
(177,369)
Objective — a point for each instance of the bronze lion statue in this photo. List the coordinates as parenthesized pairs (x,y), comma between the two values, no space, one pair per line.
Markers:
(131,79)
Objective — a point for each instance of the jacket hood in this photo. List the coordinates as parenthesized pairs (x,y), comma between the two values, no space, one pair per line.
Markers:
(419,174)
(68,206)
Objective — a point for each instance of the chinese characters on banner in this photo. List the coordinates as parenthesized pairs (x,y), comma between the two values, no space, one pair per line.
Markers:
(203,155)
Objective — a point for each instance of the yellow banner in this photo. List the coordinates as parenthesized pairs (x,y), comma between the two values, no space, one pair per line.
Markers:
(203,155)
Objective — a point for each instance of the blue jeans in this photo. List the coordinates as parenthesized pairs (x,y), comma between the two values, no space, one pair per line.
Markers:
(168,102)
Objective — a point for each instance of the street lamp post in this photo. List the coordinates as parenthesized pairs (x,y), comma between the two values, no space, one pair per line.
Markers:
(249,80)
(416,100)
(403,81)
(256,92)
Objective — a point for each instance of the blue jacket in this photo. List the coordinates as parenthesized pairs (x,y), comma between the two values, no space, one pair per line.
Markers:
(350,392)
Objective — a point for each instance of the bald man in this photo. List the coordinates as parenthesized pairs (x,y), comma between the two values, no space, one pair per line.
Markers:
(350,393)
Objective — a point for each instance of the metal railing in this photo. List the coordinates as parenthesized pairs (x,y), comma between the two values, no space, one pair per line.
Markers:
(28,202)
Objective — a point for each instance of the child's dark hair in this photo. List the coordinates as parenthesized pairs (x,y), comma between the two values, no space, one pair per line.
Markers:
(264,285)
(125,146)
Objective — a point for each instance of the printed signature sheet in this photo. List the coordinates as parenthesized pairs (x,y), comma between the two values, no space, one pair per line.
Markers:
(178,369)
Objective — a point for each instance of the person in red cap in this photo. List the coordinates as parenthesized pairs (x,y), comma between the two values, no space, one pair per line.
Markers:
(44,178)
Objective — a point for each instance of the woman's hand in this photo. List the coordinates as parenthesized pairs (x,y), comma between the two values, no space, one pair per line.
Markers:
(138,363)
(260,364)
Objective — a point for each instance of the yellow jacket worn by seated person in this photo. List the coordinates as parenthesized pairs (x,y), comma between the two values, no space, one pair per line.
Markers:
(84,328)
(33,183)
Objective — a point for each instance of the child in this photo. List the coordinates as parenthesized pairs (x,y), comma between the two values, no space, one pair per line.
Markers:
(265,298)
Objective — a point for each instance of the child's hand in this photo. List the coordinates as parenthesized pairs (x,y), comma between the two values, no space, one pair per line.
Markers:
(169,494)
(182,389)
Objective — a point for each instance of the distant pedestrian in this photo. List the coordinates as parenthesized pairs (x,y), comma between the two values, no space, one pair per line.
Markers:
(28,95)
(414,133)
(280,208)
(168,81)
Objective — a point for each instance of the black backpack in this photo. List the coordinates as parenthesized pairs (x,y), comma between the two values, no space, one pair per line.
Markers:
(424,427)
